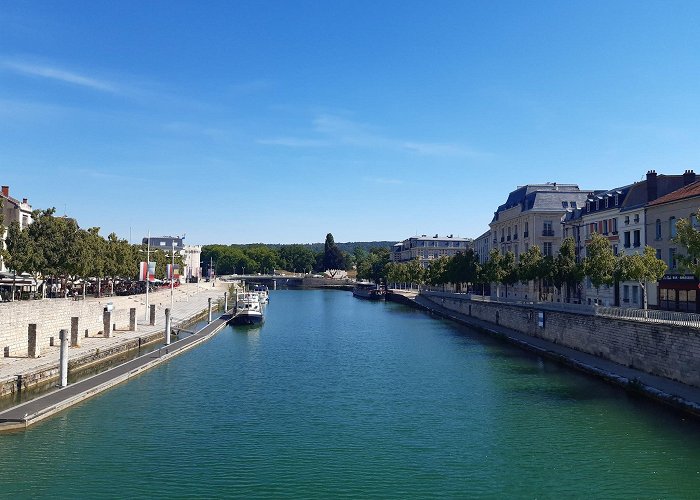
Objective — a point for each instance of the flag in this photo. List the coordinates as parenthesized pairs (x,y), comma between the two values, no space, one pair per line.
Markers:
(147,269)
(169,271)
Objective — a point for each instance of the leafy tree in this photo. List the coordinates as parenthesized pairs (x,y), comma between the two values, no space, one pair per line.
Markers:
(599,264)
(509,269)
(396,273)
(530,267)
(495,269)
(332,255)
(22,253)
(415,272)
(297,258)
(689,237)
(642,268)
(463,267)
(437,273)
(373,266)
(566,270)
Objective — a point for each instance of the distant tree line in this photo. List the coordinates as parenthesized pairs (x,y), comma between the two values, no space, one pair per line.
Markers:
(299,258)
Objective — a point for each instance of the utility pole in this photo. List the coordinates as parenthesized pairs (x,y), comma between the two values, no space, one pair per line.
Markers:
(148,263)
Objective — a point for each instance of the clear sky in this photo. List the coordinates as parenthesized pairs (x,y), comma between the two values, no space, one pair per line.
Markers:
(280,121)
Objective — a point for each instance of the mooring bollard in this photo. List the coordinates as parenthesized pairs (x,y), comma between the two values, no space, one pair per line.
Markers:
(74,339)
(209,316)
(167,326)
(63,335)
(33,349)
(107,323)
(225,301)
(153,315)
(132,319)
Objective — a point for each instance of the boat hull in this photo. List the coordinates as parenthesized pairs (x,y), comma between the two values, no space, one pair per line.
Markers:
(247,319)
(369,294)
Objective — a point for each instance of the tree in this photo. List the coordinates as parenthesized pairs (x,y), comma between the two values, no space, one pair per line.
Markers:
(642,268)
(297,258)
(373,266)
(509,269)
(438,272)
(415,272)
(463,267)
(332,256)
(689,237)
(566,270)
(495,269)
(530,267)
(599,264)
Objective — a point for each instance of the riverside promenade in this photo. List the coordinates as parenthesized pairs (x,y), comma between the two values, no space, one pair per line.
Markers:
(667,391)
(189,301)
(33,411)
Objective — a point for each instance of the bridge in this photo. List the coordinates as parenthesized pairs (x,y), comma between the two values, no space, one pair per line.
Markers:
(290,281)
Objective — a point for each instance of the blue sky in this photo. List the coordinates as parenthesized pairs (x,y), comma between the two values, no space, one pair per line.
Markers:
(281,121)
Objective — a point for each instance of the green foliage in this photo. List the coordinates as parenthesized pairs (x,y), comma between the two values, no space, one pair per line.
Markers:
(332,255)
(689,237)
(463,267)
(599,264)
(372,265)
(438,271)
(642,268)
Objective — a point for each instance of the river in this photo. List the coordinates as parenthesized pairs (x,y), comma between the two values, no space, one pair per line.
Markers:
(339,397)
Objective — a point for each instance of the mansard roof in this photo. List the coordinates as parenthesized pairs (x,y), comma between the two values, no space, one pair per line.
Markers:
(542,197)
(689,191)
(638,194)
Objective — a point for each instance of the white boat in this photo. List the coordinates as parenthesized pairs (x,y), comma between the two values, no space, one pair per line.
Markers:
(263,292)
(249,309)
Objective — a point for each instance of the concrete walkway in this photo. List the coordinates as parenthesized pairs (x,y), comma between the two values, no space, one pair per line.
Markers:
(190,299)
(31,412)
(676,394)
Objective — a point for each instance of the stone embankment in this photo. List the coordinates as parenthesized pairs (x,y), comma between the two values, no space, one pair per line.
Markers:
(657,360)
(30,366)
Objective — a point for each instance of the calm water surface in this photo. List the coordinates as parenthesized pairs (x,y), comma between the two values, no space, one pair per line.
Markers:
(334,396)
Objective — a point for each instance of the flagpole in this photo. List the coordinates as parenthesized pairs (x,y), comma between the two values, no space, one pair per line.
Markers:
(148,263)
(172,276)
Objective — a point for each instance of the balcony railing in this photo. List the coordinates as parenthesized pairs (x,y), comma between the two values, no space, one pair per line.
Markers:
(526,234)
(515,237)
(548,232)
(508,238)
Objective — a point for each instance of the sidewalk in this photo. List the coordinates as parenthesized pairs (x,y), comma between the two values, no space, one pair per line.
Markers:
(189,300)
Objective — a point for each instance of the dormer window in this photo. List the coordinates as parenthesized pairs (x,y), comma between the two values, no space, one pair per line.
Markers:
(597,204)
(617,199)
(606,202)
(588,206)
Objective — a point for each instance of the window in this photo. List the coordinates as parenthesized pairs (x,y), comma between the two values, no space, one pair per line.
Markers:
(606,202)
(635,294)
(672,226)
(637,241)
(658,253)
(614,249)
(672,258)
(636,218)
(572,204)
(508,233)
(627,239)
(658,229)
(617,199)
(588,206)
(614,224)
(627,219)
(597,204)
(548,230)
(625,293)
(605,225)
(564,204)
(515,232)
(547,248)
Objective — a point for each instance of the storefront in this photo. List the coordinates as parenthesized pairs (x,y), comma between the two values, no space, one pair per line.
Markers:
(679,292)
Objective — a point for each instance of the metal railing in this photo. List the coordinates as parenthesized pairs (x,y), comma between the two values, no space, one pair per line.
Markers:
(626,313)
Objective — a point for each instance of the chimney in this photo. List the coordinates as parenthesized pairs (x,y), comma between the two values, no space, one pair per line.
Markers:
(6,191)
(652,186)
(688,177)
(25,201)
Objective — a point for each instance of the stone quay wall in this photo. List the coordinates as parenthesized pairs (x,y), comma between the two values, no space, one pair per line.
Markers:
(51,316)
(669,351)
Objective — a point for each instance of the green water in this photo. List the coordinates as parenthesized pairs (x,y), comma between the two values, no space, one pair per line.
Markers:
(339,397)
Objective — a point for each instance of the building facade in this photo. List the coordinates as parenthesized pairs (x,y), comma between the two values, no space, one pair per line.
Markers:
(192,255)
(531,216)
(425,248)
(678,290)
(13,210)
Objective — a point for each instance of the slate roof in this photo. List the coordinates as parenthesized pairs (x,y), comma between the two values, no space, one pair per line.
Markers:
(543,197)
(689,191)
(637,196)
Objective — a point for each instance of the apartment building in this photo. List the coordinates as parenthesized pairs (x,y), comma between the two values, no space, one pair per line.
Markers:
(13,210)
(426,248)
(530,216)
